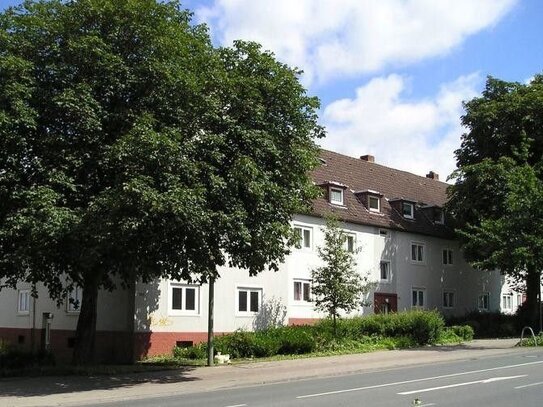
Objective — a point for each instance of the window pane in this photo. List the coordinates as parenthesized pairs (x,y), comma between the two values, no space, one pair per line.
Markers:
(298,232)
(297,291)
(177,298)
(445,300)
(420,253)
(421,298)
(350,244)
(336,196)
(190,294)
(414,298)
(444,256)
(254,301)
(413,252)
(407,209)
(384,271)
(374,203)
(307,238)
(307,292)
(242,301)
(450,253)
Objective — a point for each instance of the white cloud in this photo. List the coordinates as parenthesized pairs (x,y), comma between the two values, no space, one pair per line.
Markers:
(332,38)
(416,136)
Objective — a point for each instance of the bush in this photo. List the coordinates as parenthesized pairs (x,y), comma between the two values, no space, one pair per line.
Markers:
(489,324)
(192,352)
(12,358)
(464,332)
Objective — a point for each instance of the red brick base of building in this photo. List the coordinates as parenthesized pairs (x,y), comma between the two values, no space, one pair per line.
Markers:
(303,321)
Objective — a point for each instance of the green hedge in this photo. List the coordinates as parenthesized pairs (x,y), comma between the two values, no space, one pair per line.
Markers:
(390,331)
(489,324)
(12,358)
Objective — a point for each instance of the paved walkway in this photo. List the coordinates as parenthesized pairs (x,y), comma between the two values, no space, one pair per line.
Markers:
(76,391)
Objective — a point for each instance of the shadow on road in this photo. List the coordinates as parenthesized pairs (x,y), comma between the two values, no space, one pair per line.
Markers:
(42,386)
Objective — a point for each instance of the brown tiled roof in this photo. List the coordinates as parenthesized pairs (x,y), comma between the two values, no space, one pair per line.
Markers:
(360,175)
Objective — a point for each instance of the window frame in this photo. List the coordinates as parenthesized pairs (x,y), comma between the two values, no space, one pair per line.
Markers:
(388,269)
(412,206)
(304,282)
(447,257)
(346,243)
(447,303)
(184,287)
(507,298)
(482,296)
(418,290)
(341,194)
(301,245)
(249,290)
(422,253)
(27,295)
(440,218)
(70,307)
(378,199)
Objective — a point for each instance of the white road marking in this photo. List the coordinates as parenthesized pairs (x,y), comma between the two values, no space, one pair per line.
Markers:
(427,405)
(529,385)
(238,405)
(378,386)
(450,386)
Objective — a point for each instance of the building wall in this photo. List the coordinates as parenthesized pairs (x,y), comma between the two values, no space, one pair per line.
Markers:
(27,330)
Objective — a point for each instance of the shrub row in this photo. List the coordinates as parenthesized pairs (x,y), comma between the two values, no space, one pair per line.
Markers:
(384,331)
(489,324)
(12,358)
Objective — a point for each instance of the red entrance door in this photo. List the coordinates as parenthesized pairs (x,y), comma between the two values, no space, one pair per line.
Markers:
(385,303)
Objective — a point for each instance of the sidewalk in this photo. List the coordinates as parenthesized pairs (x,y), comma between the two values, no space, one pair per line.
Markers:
(76,391)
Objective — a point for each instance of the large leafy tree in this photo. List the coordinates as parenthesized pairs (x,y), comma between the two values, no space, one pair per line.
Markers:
(130,149)
(337,285)
(497,198)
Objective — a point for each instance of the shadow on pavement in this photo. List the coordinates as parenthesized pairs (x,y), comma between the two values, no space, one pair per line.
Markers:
(42,386)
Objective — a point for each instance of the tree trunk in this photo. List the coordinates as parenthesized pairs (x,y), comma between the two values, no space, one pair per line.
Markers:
(86,325)
(335,325)
(533,289)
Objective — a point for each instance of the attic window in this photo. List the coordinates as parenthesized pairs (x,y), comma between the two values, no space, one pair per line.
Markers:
(408,210)
(336,196)
(439,216)
(374,203)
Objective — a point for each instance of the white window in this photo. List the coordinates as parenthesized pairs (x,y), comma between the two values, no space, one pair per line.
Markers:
(74,299)
(374,203)
(350,242)
(384,268)
(408,210)
(304,237)
(507,302)
(447,257)
(448,299)
(249,300)
(336,196)
(184,299)
(302,291)
(23,302)
(418,297)
(417,252)
(483,302)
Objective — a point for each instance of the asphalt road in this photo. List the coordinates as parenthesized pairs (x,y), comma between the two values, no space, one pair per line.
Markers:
(510,380)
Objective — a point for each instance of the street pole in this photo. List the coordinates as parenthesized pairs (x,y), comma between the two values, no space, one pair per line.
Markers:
(211,301)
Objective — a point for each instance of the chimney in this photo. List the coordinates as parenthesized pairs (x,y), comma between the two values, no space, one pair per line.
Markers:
(432,175)
(368,158)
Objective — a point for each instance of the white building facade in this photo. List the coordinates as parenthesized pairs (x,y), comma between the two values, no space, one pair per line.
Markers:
(395,226)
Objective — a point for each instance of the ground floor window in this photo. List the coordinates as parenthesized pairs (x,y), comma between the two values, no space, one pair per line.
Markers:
(418,299)
(384,268)
(448,299)
(507,302)
(249,300)
(302,291)
(483,302)
(184,298)
(75,296)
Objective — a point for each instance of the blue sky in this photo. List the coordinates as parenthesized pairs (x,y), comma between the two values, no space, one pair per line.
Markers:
(391,74)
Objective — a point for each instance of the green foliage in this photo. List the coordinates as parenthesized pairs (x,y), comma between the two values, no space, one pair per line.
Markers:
(358,334)
(337,285)
(130,149)
(529,340)
(489,324)
(13,358)
(497,199)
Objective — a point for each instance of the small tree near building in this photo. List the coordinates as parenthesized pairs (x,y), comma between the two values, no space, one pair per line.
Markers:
(337,286)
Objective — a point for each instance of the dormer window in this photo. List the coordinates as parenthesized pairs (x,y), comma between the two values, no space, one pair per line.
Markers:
(336,196)
(439,216)
(374,203)
(408,210)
